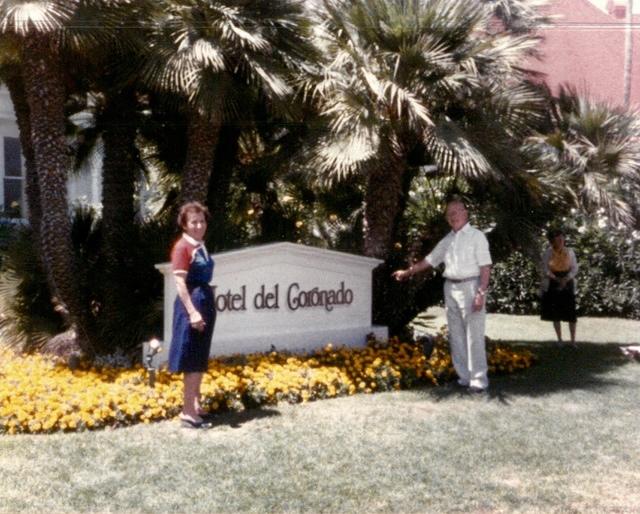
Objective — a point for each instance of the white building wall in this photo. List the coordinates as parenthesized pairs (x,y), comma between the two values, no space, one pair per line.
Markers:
(83,187)
(8,128)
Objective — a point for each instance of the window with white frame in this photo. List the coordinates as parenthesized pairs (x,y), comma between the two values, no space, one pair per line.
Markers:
(13,180)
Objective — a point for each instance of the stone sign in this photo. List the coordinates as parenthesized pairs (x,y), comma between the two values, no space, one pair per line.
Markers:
(284,295)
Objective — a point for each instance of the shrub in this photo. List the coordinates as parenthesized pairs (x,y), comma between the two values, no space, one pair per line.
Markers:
(515,286)
(27,316)
(609,273)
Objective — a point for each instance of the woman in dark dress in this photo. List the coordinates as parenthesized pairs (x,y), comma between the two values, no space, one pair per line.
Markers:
(560,268)
(194,311)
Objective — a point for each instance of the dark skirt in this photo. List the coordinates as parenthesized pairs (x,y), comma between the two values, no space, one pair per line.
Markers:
(559,304)
(190,348)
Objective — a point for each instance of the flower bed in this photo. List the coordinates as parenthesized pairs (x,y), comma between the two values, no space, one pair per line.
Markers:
(38,395)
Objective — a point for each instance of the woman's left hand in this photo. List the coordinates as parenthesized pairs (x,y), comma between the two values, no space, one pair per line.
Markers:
(196,321)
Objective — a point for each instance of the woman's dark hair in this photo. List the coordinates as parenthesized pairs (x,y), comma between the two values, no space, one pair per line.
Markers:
(188,207)
(553,233)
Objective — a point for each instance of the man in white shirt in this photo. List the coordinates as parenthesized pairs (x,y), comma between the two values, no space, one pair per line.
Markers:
(467,261)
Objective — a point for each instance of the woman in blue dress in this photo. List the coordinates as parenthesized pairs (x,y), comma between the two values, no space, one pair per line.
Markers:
(194,312)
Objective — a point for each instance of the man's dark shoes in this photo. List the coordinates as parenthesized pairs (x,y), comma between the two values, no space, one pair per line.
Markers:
(474,390)
(459,385)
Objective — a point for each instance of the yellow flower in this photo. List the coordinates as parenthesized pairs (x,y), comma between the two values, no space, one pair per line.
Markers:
(37,395)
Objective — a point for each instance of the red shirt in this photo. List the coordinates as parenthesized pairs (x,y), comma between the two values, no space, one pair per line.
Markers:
(183,253)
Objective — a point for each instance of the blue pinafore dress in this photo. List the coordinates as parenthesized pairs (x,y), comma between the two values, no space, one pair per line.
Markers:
(190,348)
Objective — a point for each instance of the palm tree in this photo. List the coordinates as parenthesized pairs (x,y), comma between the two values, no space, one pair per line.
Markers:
(223,56)
(37,27)
(588,155)
(413,83)
(114,106)
(45,31)
(409,84)
(117,120)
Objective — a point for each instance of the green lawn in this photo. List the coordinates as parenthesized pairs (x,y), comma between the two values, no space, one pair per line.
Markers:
(532,329)
(562,437)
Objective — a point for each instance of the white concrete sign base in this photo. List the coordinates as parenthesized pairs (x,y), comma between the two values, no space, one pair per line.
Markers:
(284,296)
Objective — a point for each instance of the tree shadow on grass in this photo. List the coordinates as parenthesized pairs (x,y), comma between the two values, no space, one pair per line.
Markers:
(235,419)
(585,367)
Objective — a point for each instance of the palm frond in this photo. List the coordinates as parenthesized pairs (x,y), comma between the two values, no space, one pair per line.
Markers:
(515,107)
(519,15)
(340,158)
(503,55)
(274,85)
(419,115)
(428,71)
(454,153)
(23,17)
(245,39)
(258,45)
(206,54)
(592,150)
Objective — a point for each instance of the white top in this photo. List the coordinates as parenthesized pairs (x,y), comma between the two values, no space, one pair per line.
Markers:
(573,270)
(463,252)
(194,241)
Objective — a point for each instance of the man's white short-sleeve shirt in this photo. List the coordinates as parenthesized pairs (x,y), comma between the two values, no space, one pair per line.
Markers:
(463,252)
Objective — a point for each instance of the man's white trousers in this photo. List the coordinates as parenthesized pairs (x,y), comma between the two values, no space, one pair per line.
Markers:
(466,333)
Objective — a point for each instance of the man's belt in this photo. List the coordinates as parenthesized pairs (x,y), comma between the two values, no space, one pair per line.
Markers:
(461,280)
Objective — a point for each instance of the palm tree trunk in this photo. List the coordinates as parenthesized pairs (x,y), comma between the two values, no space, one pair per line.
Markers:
(219,184)
(382,202)
(118,188)
(383,197)
(203,135)
(394,304)
(45,92)
(202,141)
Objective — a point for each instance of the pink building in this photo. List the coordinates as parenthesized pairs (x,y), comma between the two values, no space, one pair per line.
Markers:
(585,46)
